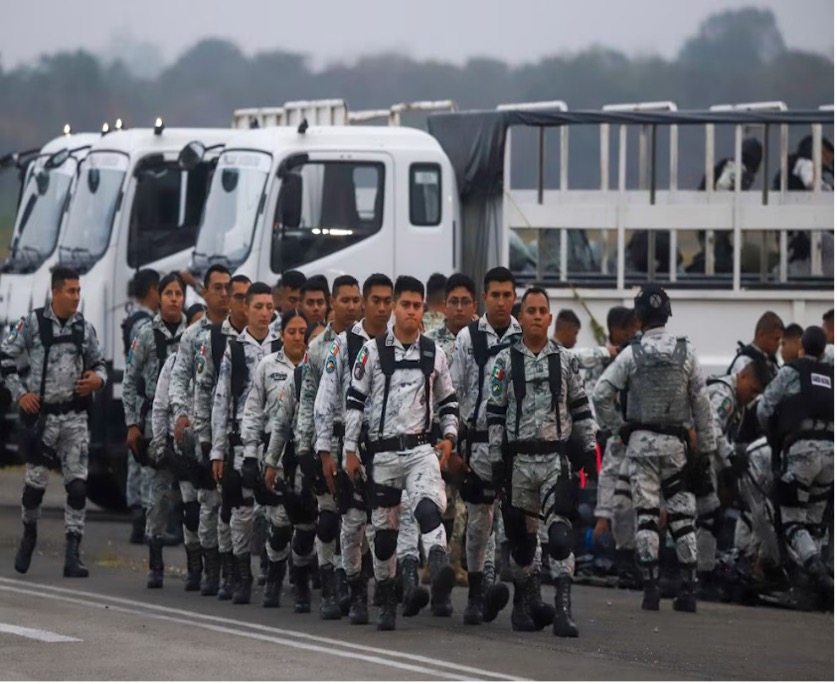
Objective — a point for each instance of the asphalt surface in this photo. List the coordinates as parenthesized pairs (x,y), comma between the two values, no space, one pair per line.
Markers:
(110,626)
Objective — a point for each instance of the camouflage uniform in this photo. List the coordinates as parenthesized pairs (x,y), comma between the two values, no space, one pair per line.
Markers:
(666,390)
(139,477)
(411,466)
(469,386)
(613,495)
(828,357)
(64,431)
(271,404)
(807,455)
(312,371)
(432,320)
(215,520)
(142,368)
(755,534)
(242,519)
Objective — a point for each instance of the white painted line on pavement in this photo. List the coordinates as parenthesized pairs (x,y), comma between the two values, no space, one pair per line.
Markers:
(36,634)
(330,642)
(331,651)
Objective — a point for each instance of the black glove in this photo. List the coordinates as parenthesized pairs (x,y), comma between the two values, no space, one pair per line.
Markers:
(739,460)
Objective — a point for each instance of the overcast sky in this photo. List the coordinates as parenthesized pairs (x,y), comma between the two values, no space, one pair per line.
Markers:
(329,30)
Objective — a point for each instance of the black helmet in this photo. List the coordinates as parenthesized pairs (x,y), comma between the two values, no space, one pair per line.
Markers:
(652,304)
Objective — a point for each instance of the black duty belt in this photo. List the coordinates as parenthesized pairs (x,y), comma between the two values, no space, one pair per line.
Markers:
(74,405)
(671,430)
(478,436)
(538,447)
(400,443)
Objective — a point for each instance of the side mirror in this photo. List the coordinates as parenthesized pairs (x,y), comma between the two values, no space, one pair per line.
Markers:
(229,179)
(93,179)
(291,162)
(9,160)
(191,155)
(57,159)
(290,201)
(42,181)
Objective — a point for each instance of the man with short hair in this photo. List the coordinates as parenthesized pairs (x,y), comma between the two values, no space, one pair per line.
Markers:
(66,366)
(536,404)
(434,313)
(477,345)
(290,291)
(797,412)
(791,342)
(235,378)
(315,296)
(396,381)
(567,327)
(766,342)
(143,289)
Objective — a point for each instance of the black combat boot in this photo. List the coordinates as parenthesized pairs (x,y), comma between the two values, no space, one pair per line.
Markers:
(329,608)
(542,613)
(155,563)
(563,625)
(212,571)
(386,616)
(415,596)
(650,586)
(359,591)
(137,525)
(818,574)
(504,562)
(314,573)
(686,601)
(474,610)
(521,619)
(261,578)
(629,577)
(302,589)
(496,595)
(244,585)
(344,598)
(273,583)
(23,558)
(229,576)
(73,567)
(194,567)
(442,579)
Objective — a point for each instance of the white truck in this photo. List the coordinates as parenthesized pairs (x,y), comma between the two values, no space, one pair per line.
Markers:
(358,199)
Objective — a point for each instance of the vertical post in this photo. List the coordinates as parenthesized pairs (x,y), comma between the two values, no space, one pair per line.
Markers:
(652,235)
(815,236)
(620,215)
(709,175)
(736,215)
(541,140)
(604,173)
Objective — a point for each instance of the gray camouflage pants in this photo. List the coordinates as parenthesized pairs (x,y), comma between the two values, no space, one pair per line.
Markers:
(416,473)
(138,483)
(210,501)
(479,535)
(189,494)
(533,491)
(68,435)
(277,516)
(159,503)
(241,524)
(806,485)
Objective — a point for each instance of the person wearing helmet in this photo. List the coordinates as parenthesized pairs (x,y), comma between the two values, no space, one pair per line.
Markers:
(663,395)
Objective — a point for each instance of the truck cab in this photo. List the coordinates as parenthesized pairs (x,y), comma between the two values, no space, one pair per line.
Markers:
(136,206)
(331,200)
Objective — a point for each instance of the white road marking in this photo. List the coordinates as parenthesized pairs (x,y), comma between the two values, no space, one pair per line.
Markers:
(292,638)
(37,634)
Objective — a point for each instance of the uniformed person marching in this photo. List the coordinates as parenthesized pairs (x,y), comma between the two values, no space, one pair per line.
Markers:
(536,403)
(264,403)
(477,346)
(182,400)
(666,395)
(235,379)
(145,360)
(797,412)
(66,366)
(401,373)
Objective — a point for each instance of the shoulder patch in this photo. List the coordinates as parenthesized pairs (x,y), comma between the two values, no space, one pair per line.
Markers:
(335,347)
(15,331)
(330,364)
(574,366)
(200,360)
(498,373)
(496,386)
(725,407)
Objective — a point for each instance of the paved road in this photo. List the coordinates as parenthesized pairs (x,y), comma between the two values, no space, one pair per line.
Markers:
(111,627)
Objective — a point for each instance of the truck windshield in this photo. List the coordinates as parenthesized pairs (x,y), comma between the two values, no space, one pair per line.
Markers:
(226,233)
(39,217)
(93,209)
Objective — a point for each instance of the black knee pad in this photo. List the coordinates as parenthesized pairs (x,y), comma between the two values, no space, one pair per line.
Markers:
(303,541)
(328,526)
(191,515)
(560,541)
(428,516)
(76,494)
(32,497)
(514,520)
(523,550)
(280,537)
(386,542)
